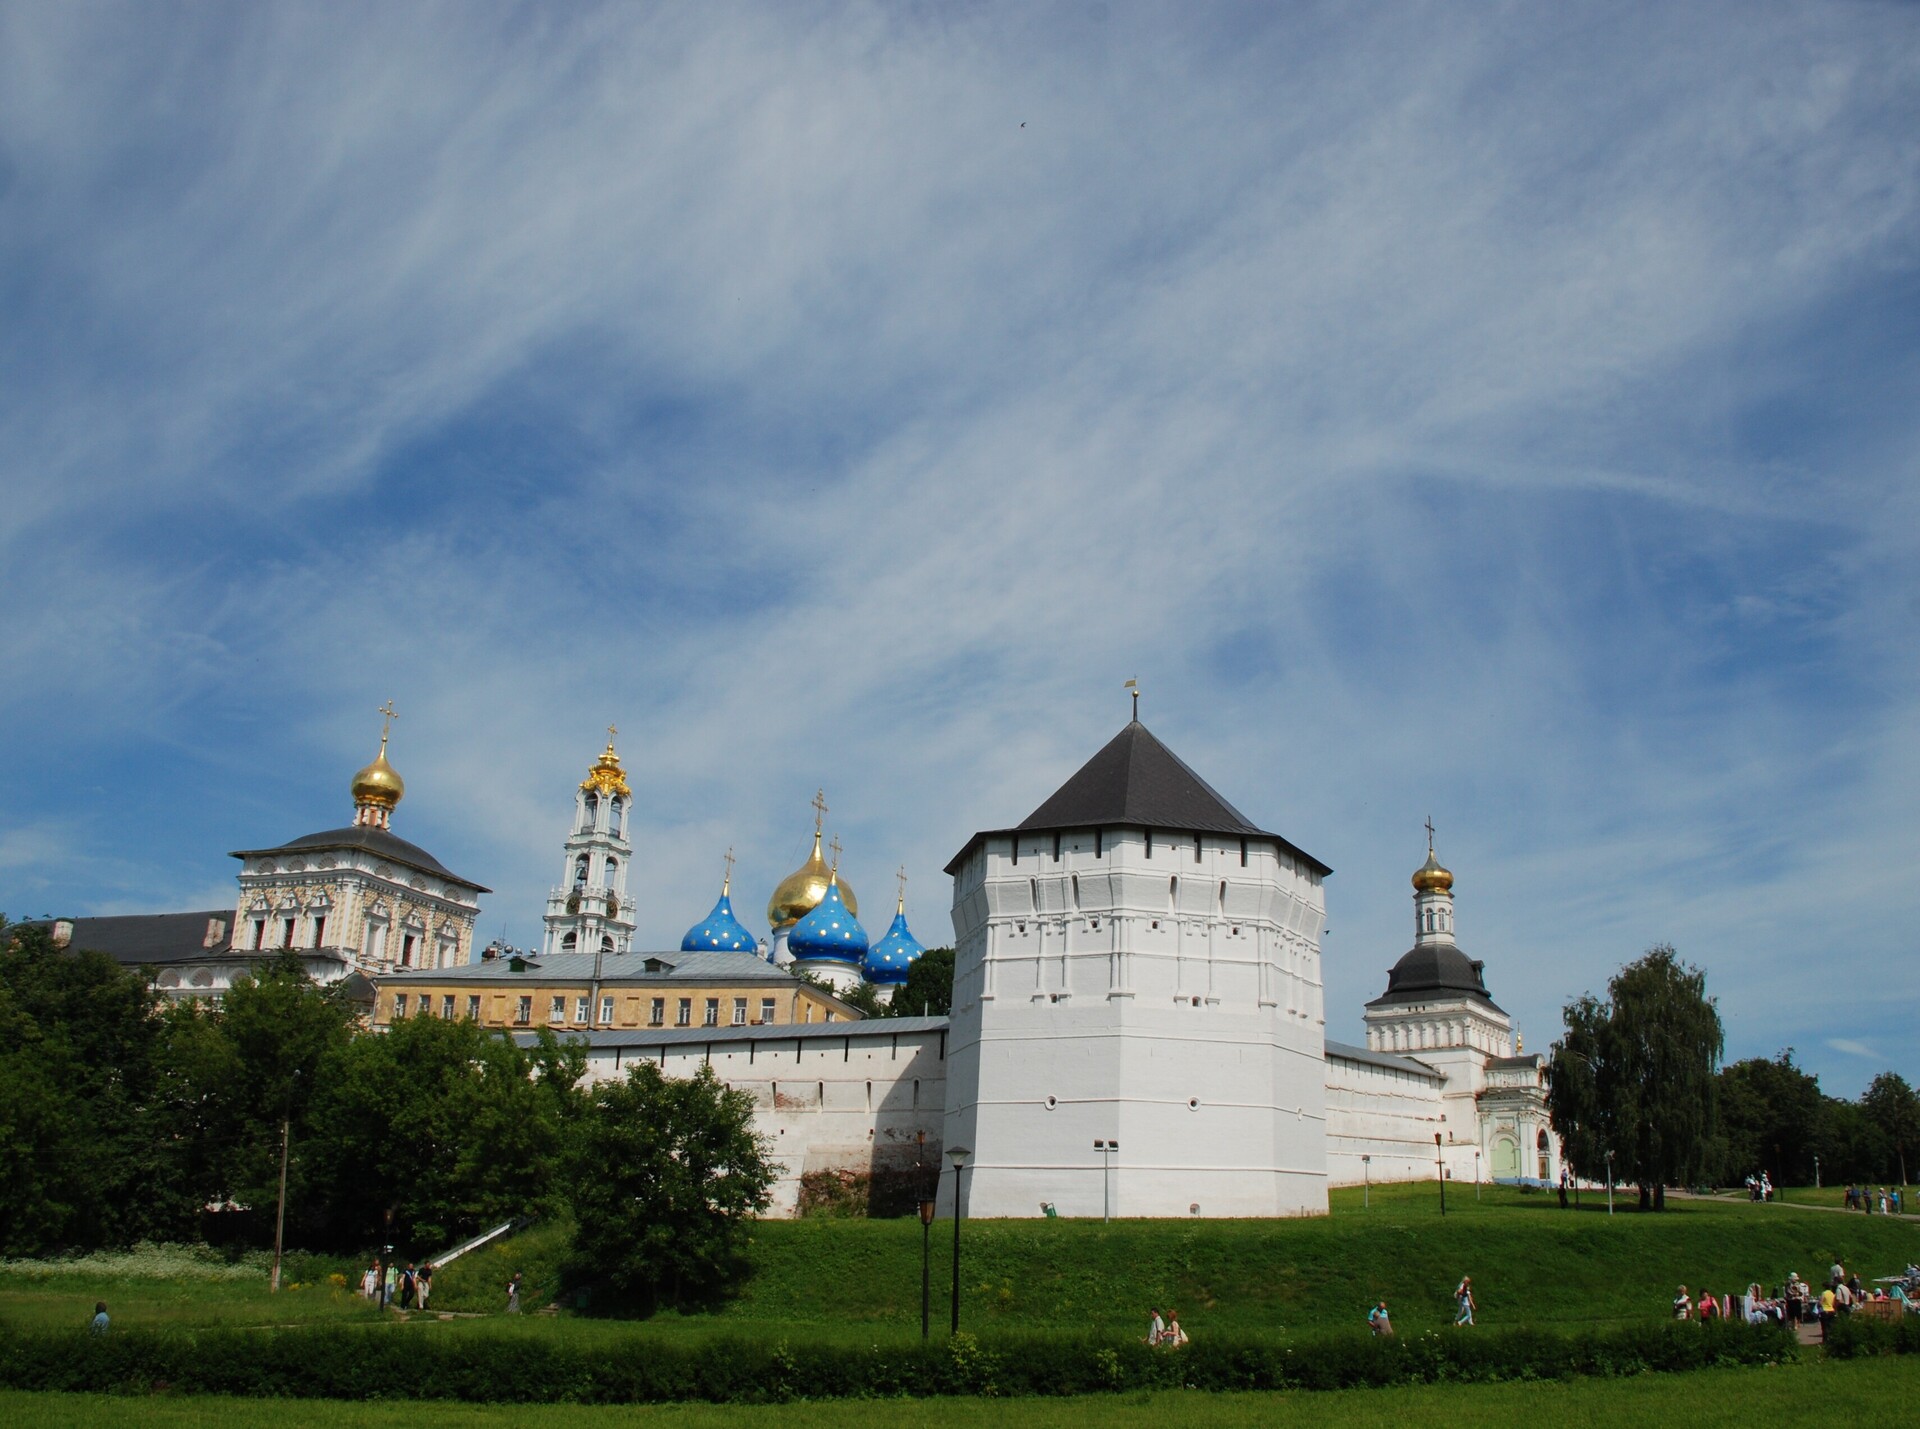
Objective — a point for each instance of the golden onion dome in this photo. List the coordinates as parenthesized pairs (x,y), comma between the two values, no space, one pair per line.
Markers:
(379,784)
(1431,877)
(800,892)
(606,775)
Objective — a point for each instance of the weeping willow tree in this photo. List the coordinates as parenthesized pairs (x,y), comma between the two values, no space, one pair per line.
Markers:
(1634,1076)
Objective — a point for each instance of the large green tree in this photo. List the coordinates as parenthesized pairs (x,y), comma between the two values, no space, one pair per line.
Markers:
(1772,1117)
(663,1173)
(429,1132)
(928,990)
(76,1092)
(1634,1075)
(1893,1108)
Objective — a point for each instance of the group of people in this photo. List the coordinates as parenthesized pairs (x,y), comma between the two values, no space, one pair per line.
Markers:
(1165,1331)
(1796,1302)
(1760,1187)
(1380,1322)
(403,1289)
(1884,1199)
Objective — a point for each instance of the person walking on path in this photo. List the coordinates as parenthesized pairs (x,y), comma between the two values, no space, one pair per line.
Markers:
(513,1294)
(1156,1329)
(98,1324)
(1378,1322)
(370,1281)
(1683,1305)
(1175,1336)
(389,1286)
(1463,1298)
(422,1283)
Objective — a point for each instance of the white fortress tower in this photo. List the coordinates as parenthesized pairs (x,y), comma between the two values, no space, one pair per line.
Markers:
(590,912)
(1137,963)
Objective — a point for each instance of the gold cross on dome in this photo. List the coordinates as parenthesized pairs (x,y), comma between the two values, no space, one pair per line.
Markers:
(819,809)
(612,730)
(901,874)
(391,715)
(835,846)
(728,882)
(1429,833)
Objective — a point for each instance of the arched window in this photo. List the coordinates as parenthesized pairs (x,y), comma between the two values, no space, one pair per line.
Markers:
(613,868)
(580,872)
(1076,893)
(606,943)
(569,941)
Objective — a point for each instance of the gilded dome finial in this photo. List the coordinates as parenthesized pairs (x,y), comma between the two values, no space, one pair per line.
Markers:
(378,787)
(1431,877)
(800,892)
(606,776)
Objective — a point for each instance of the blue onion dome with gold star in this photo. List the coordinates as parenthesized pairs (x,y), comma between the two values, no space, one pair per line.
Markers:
(720,931)
(887,961)
(830,933)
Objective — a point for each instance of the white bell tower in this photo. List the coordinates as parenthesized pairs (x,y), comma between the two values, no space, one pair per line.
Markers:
(590,911)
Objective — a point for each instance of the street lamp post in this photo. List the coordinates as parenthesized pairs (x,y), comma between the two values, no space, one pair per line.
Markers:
(280,1214)
(958,1156)
(1440,1165)
(1476,1173)
(1816,1173)
(1366,1185)
(1609,1181)
(1107,1150)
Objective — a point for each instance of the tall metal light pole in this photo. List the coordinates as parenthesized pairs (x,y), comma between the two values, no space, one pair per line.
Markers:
(1107,1150)
(1441,1165)
(1609,1180)
(1366,1185)
(1816,1173)
(958,1156)
(1476,1173)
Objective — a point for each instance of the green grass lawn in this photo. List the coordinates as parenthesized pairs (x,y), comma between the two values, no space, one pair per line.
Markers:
(1531,1263)
(841,1280)
(1880,1391)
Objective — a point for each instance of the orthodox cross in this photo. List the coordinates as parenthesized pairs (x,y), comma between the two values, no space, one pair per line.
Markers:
(835,846)
(902,876)
(819,809)
(1134,685)
(727,883)
(612,730)
(391,715)
(1429,833)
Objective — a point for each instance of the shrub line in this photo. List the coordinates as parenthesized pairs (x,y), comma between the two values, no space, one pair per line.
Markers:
(335,1362)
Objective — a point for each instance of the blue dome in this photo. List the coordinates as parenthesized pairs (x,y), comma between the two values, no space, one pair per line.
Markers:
(829,933)
(720,933)
(888,960)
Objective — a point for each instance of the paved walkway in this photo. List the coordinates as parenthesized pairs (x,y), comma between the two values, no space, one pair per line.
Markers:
(1783,1206)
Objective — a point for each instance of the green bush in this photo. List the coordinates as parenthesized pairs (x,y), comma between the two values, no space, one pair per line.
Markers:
(1857,1336)
(345,1363)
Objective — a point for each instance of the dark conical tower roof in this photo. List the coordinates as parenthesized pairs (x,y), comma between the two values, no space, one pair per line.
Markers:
(1136,781)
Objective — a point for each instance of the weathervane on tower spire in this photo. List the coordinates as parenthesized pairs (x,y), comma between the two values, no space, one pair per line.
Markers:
(1134,685)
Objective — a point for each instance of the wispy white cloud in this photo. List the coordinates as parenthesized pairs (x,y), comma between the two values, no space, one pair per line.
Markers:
(854,397)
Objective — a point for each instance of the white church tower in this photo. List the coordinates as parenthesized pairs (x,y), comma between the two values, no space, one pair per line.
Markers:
(1137,1013)
(590,912)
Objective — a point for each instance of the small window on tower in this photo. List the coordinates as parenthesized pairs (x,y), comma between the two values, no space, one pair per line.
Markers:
(1243,853)
(1099,842)
(1149,843)
(1198,843)
(1056,848)
(259,932)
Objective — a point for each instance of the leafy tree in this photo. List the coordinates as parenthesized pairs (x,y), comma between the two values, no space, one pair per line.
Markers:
(1772,1117)
(1892,1106)
(77,1083)
(928,989)
(235,1070)
(662,1174)
(432,1131)
(1635,1074)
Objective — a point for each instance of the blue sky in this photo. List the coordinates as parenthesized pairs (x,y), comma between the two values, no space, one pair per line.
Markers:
(1504,415)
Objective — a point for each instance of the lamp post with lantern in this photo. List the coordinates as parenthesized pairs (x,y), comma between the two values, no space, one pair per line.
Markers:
(958,1156)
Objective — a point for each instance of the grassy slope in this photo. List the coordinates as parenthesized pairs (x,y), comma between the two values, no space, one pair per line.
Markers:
(1880,1391)
(1531,1262)
(819,1279)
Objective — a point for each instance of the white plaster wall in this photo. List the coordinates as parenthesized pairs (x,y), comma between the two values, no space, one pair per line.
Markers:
(850,1101)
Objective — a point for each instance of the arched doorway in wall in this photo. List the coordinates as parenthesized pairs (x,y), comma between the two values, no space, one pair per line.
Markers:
(1543,1148)
(1506,1156)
